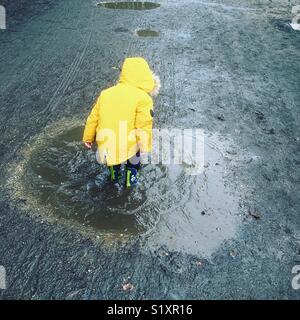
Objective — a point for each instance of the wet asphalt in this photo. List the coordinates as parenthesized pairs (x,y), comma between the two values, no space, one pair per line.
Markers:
(231,69)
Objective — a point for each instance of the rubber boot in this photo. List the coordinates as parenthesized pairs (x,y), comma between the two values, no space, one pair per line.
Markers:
(131,177)
(116,174)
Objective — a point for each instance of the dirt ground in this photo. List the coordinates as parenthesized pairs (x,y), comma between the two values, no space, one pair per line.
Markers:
(228,67)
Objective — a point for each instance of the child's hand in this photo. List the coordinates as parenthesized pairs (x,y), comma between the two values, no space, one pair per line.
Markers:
(88,145)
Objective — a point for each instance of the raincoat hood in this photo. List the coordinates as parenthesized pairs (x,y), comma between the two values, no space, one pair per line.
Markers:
(136,72)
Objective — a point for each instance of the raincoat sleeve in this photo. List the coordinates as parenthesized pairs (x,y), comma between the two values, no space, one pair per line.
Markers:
(92,123)
(143,124)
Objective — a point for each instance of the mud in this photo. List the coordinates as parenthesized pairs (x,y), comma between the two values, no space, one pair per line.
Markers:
(147,33)
(129,5)
(230,68)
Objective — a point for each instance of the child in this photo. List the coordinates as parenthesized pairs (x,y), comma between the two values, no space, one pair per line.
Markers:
(121,120)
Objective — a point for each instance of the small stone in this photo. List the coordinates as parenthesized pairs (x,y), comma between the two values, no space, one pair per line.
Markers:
(207,212)
(232,253)
(199,264)
(163,253)
(220,117)
(255,214)
(128,286)
(269,131)
(259,115)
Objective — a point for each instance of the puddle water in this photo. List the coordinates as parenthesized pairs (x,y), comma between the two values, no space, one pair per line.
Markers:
(194,214)
(129,5)
(147,33)
(67,179)
(203,212)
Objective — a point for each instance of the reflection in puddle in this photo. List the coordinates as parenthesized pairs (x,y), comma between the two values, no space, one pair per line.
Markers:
(147,33)
(129,5)
(193,214)
(203,213)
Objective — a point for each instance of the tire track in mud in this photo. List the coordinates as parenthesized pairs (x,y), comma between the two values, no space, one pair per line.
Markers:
(32,271)
(34,66)
(70,75)
(27,263)
(32,60)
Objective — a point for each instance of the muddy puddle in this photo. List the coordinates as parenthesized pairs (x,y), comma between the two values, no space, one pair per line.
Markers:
(129,5)
(169,208)
(147,33)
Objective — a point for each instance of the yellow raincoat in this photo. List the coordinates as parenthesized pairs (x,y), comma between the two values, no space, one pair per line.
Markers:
(121,119)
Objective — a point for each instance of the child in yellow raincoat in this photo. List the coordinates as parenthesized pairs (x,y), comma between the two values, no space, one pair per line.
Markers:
(121,120)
